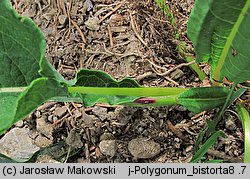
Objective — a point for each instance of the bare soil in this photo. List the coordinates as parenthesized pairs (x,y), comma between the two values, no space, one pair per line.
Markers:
(125,39)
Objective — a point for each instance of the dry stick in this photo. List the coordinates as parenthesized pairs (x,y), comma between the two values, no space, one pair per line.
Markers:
(176,132)
(172,81)
(87,152)
(176,67)
(198,115)
(68,109)
(111,12)
(110,36)
(79,30)
(136,33)
(167,78)
(60,120)
(70,20)
(62,6)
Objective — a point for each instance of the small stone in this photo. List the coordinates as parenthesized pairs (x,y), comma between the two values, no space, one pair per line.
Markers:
(17,144)
(63,19)
(230,124)
(177,74)
(41,141)
(143,148)
(60,111)
(87,119)
(44,128)
(108,147)
(100,112)
(77,113)
(177,140)
(189,148)
(92,23)
(107,136)
(19,124)
(74,139)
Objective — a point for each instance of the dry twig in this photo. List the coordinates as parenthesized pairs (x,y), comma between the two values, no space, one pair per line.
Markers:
(111,12)
(135,31)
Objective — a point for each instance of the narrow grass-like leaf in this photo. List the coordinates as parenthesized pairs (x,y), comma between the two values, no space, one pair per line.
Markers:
(203,150)
(199,140)
(245,119)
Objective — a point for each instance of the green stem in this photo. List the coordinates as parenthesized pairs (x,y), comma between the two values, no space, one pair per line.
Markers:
(143,91)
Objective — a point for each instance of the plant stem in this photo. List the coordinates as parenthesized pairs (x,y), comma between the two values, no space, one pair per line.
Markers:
(138,91)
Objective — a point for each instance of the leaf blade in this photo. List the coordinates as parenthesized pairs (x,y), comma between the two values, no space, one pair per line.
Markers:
(219,32)
(203,98)
(22,46)
(203,150)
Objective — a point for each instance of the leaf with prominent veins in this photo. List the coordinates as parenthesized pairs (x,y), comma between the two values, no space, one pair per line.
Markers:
(220,33)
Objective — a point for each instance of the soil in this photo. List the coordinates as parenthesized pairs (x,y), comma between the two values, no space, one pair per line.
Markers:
(125,39)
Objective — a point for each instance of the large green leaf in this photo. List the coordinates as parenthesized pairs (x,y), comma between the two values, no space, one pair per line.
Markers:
(204,98)
(22,46)
(219,30)
(95,78)
(16,106)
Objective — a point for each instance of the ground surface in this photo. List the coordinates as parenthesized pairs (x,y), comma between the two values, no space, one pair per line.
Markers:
(125,39)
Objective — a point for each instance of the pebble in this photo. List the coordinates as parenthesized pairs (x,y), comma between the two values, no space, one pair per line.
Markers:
(102,113)
(230,124)
(177,74)
(44,128)
(74,139)
(189,148)
(92,23)
(19,124)
(107,136)
(143,148)
(17,144)
(63,19)
(42,141)
(108,147)
(60,111)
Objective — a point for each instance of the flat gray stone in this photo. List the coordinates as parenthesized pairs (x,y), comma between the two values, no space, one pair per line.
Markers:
(143,148)
(108,147)
(17,144)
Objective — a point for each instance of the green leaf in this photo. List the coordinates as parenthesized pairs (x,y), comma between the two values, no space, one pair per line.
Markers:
(7,110)
(40,91)
(15,106)
(210,141)
(219,30)
(203,98)
(95,78)
(245,119)
(22,46)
